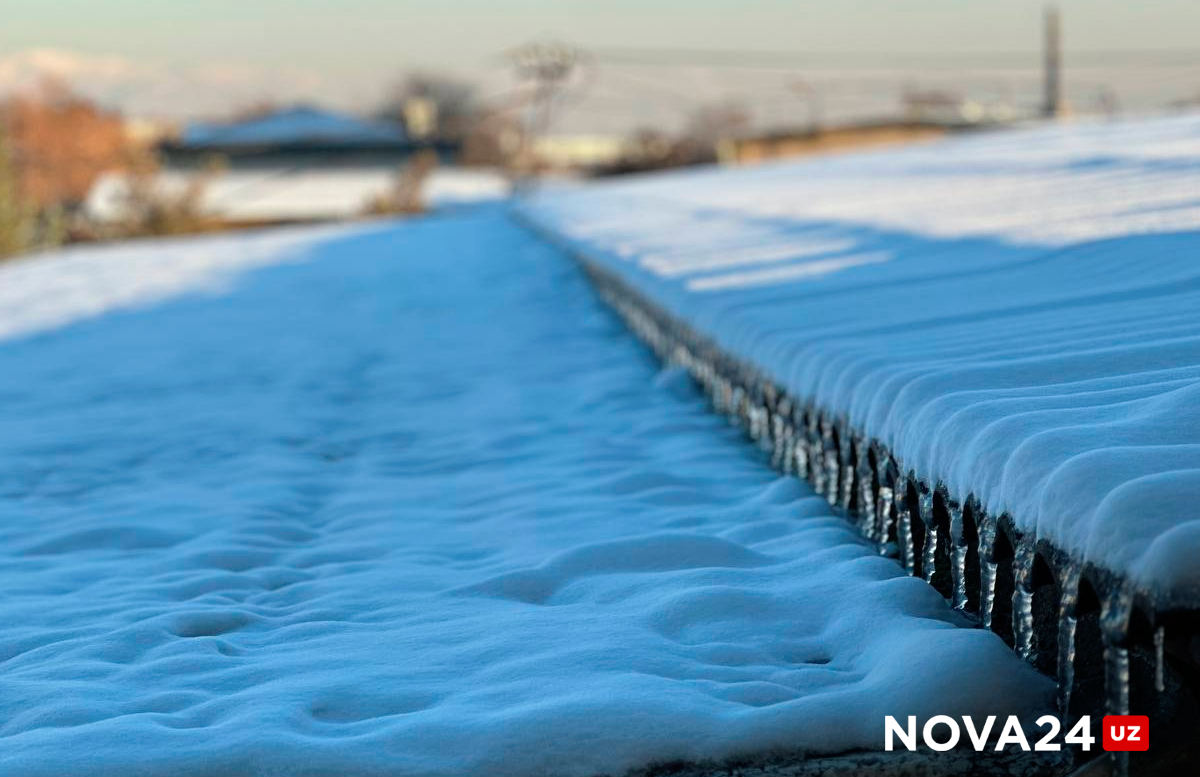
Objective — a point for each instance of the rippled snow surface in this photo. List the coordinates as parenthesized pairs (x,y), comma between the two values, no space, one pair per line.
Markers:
(419,505)
(1014,314)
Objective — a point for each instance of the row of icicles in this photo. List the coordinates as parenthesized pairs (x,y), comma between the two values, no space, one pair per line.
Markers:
(866,481)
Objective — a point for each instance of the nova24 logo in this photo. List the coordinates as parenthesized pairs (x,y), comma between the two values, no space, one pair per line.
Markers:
(1121,732)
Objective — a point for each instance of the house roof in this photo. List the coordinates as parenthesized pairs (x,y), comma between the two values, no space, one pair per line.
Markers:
(298,126)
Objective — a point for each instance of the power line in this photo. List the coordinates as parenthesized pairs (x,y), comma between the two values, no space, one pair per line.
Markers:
(850,58)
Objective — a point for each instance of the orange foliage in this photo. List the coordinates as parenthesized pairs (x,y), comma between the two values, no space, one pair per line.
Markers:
(60,144)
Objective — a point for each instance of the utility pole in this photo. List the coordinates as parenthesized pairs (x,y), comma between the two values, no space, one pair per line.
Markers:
(1052,65)
(812,99)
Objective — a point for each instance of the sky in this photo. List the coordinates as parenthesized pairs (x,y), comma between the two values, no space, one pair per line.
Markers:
(187,57)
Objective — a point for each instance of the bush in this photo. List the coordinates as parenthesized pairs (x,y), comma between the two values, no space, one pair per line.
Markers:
(17,218)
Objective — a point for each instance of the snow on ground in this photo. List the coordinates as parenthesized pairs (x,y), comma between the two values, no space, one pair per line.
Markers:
(44,292)
(1015,314)
(447,187)
(419,505)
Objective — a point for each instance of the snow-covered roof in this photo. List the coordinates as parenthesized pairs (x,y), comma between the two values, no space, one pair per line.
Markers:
(298,126)
(1014,315)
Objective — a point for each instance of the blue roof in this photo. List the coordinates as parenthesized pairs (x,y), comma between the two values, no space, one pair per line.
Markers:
(294,126)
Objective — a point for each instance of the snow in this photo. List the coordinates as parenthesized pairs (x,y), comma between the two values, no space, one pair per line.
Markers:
(1014,314)
(446,187)
(408,500)
(44,292)
(279,192)
(299,191)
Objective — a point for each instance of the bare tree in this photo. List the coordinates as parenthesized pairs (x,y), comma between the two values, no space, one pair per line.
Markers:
(405,195)
(153,208)
(652,149)
(493,140)
(712,123)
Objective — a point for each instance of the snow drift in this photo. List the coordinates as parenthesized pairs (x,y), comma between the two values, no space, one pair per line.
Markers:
(408,501)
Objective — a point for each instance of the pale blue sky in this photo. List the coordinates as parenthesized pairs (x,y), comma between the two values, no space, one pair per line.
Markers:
(353,35)
(197,57)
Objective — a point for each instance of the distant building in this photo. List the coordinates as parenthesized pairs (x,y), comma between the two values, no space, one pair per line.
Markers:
(950,109)
(297,164)
(293,132)
(578,152)
(420,117)
(783,144)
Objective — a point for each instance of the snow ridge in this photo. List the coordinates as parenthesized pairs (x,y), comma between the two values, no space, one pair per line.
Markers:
(1013,315)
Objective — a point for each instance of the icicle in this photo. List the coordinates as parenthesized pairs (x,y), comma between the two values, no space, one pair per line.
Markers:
(885,498)
(778,440)
(800,456)
(1066,661)
(793,445)
(831,464)
(987,528)
(929,551)
(847,466)
(958,555)
(818,475)
(766,428)
(1022,610)
(987,592)
(866,493)
(1114,628)
(724,396)
(816,463)
(803,450)
(904,528)
(787,442)
(1160,639)
(757,413)
(787,449)
(1067,623)
(737,402)
(759,425)
(817,460)
(883,514)
(1116,679)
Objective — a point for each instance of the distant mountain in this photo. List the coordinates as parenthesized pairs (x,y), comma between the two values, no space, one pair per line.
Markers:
(147,88)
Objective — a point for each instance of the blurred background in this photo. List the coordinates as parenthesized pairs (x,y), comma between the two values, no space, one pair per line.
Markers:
(121,118)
